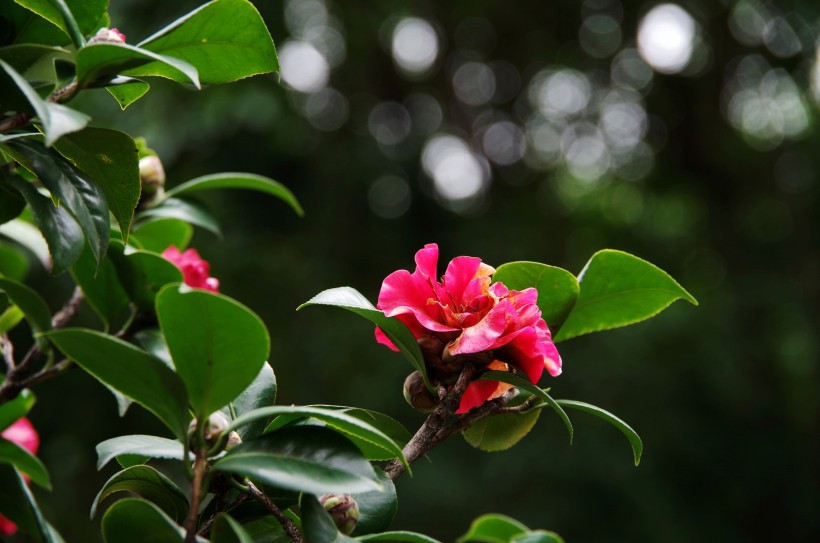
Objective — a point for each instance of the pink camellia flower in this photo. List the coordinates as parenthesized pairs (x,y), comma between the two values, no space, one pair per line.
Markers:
(464,314)
(195,271)
(22,433)
(107,35)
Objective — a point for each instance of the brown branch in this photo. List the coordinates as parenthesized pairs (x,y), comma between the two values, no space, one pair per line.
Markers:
(424,439)
(287,524)
(18,377)
(196,494)
(490,407)
(21,119)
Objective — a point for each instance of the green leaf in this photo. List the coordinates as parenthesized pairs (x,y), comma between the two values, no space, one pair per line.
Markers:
(175,208)
(11,203)
(227,530)
(101,287)
(16,408)
(139,445)
(56,119)
(26,235)
(618,289)
(218,345)
(317,525)
(99,63)
(352,300)
(151,341)
(159,234)
(538,536)
(18,504)
(143,274)
(150,484)
(493,528)
(225,39)
(631,435)
(13,264)
(14,454)
(10,318)
(235,180)
(32,304)
(26,27)
(86,14)
(62,233)
(109,159)
(502,431)
(24,55)
(523,384)
(557,288)
(260,393)
(340,421)
(398,536)
(70,188)
(302,458)
(377,507)
(127,90)
(134,520)
(136,374)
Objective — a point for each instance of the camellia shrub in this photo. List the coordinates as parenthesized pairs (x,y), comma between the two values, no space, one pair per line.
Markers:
(481,342)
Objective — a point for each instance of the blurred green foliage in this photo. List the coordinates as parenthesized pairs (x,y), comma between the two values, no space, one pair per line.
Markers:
(709,172)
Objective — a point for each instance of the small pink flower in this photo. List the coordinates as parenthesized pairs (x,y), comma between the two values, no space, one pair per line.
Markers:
(467,315)
(195,271)
(22,433)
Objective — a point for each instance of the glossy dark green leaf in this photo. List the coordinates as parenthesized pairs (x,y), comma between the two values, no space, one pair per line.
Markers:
(151,341)
(226,40)
(502,431)
(631,435)
(142,273)
(136,374)
(70,188)
(398,537)
(524,384)
(538,536)
(56,119)
(101,287)
(218,345)
(62,233)
(127,90)
(302,458)
(18,504)
(32,304)
(557,288)
(184,210)
(237,180)
(264,530)
(14,454)
(317,526)
(13,264)
(86,14)
(139,445)
(377,507)
(159,234)
(109,159)
(134,520)
(26,26)
(333,418)
(260,393)
(227,530)
(618,289)
(22,56)
(493,528)
(352,300)
(11,203)
(16,408)
(149,484)
(101,62)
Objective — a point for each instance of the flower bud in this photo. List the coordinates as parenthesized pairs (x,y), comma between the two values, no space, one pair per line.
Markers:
(417,395)
(233,440)
(343,509)
(215,426)
(152,178)
(107,35)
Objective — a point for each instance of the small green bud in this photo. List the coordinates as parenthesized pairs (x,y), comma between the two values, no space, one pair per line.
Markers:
(215,426)
(152,178)
(417,395)
(343,509)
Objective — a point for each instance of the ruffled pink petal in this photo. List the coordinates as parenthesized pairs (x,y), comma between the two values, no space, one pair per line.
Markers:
(427,261)
(485,334)
(382,338)
(22,433)
(460,272)
(403,293)
(476,394)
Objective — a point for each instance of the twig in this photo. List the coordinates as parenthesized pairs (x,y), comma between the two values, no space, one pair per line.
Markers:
(490,407)
(424,440)
(196,494)
(287,524)
(18,378)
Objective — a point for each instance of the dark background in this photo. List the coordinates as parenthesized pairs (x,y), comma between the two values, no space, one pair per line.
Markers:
(711,174)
